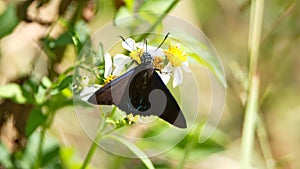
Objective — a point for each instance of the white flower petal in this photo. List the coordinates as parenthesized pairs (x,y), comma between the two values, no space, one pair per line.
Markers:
(167,68)
(178,77)
(108,65)
(140,45)
(185,67)
(129,44)
(88,91)
(166,73)
(156,52)
(120,59)
(165,78)
(118,70)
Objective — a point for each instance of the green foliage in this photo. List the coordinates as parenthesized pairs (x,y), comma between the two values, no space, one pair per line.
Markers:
(12,91)
(54,90)
(138,152)
(8,20)
(5,157)
(35,119)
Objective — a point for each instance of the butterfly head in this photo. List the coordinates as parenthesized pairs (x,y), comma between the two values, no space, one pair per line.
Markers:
(146,59)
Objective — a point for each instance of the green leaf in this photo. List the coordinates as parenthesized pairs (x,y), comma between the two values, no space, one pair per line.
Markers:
(129,4)
(65,83)
(5,157)
(12,91)
(50,154)
(155,6)
(46,83)
(64,39)
(82,31)
(8,20)
(211,62)
(205,55)
(138,152)
(69,158)
(35,119)
(122,13)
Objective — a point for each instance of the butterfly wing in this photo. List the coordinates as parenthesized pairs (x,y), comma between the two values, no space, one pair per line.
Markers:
(172,112)
(141,91)
(112,92)
(148,95)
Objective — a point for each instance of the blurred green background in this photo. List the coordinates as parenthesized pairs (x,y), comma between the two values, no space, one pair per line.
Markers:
(40,41)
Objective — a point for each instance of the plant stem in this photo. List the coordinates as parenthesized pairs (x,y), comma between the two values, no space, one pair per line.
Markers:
(46,126)
(191,142)
(101,132)
(159,19)
(92,149)
(253,81)
(255,34)
(249,123)
(264,143)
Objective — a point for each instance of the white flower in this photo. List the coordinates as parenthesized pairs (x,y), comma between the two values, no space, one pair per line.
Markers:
(137,49)
(178,74)
(120,61)
(88,91)
(177,61)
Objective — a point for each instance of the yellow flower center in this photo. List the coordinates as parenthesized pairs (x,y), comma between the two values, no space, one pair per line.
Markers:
(109,79)
(158,62)
(137,54)
(176,55)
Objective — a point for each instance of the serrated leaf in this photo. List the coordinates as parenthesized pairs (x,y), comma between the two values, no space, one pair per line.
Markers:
(35,119)
(12,91)
(8,20)
(137,151)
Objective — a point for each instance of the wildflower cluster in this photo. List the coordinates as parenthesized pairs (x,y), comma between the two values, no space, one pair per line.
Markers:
(171,60)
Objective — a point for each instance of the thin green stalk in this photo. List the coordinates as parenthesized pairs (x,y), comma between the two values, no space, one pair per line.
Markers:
(257,10)
(159,19)
(101,132)
(264,143)
(256,19)
(42,138)
(250,123)
(191,142)
(92,148)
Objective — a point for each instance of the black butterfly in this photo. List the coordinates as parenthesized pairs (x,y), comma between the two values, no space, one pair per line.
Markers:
(141,91)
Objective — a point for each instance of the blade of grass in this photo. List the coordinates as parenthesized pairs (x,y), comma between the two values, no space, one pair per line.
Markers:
(250,119)
(159,19)
(138,152)
(286,13)
(99,135)
(249,124)
(264,143)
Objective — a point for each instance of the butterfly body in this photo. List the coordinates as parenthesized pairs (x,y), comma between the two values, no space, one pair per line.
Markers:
(141,91)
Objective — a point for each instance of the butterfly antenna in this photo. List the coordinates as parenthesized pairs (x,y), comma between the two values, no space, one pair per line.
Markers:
(123,39)
(162,42)
(146,46)
(144,43)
